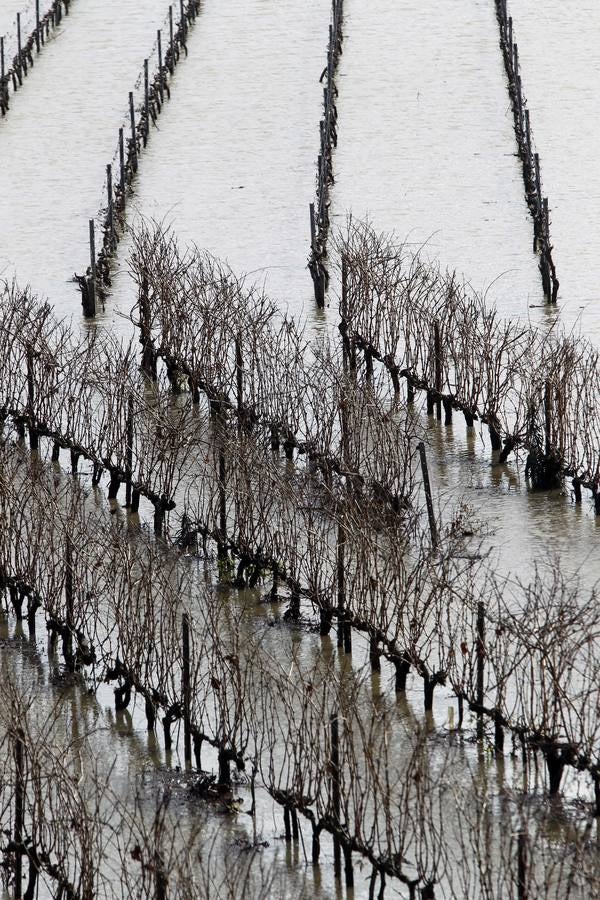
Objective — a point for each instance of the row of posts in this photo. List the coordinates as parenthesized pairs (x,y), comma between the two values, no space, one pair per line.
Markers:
(23,59)
(545,463)
(339,846)
(319,212)
(292,830)
(538,204)
(129,148)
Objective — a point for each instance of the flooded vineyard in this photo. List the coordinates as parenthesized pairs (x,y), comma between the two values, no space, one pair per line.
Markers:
(299,451)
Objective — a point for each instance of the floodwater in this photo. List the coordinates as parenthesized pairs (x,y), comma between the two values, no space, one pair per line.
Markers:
(242,128)
(8,24)
(426,148)
(232,168)
(560,68)
(520,526)
(60,133)
(138,762)
(140,767)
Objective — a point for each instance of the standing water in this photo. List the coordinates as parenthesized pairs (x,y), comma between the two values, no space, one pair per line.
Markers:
(233,167)
(59,135)
(426,146)
(560,68)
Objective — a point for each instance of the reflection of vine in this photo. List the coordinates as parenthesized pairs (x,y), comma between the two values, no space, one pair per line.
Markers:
(88,397)
(124,597)
(449,345)
(532,391)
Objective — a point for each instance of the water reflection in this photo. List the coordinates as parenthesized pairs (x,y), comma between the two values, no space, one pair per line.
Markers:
(193,165)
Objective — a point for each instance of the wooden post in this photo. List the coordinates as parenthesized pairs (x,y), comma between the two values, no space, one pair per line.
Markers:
(37,25)
(171,41)
(495,436)
(19,49)
(160,65)
(239,371)
(69,605)
(480,663)
(335,791)
(522,892)
(528,138)
(437,343)
(498,737)
(447,402)
(133,134)
(321,187)
(348,869)
(538,180)
(129,452)
(183,28)
(19,813)
(150,710)
(159,517)
(91,302)
(2,76)
(32,606)
(344,632)
(167,732)
(428,496)
(374,654)
(222,552)
(503,14)
(340,585)
(343,327)
(146,103)
(546,218)
(520,104)
(122,167)
(344,288)
(295,827)
(109,191)
(114,485)
(313,231)
(548,417)
(186,690)
(368,366)
(33,435)
(148,363)
(316,845)
(93,248)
